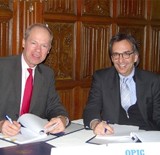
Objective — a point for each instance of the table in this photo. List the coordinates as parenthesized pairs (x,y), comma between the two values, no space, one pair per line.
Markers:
(74,142)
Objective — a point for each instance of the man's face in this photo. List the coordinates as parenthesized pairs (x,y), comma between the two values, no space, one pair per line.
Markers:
(124,64)
(36,46)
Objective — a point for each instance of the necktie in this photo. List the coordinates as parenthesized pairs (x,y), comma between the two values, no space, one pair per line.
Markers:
(27,93)
(125,95)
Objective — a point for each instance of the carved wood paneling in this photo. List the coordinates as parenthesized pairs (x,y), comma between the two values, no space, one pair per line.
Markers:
(94,50)
(61,6)
(154,53)
(67,99)
(61,57)
(139,32)
(97,7)
(155,8)
(82,30)
(4,44)
(5,28)
(74,100)
(80,98)
(26,12)
(132,8)
(5,11)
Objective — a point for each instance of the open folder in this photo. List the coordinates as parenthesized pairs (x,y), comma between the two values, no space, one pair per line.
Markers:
(32,129)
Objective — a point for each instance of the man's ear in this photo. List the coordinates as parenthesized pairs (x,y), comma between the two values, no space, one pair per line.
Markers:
(23,43)
(136,58)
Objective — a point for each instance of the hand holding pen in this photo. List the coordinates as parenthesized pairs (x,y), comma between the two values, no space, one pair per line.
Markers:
(9,119)
(9,127)
(55,125)
(103,128)
(107,128)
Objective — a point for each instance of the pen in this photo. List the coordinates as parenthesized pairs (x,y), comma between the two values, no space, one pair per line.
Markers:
(105,129)
(9,119)
(51,128)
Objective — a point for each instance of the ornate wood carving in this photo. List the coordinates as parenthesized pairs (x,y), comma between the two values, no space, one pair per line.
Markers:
(61,6)
(5,11)
(61,57)
(97,7)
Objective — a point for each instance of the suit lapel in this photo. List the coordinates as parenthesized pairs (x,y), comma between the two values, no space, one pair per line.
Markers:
(140,92)
(114,89)
(17,80)
(38,83)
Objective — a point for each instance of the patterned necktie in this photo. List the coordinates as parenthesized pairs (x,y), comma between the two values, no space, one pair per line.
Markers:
(27,93)
(125,95)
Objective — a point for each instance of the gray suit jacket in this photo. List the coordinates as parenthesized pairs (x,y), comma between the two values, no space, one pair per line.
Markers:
(104,98)
(45,101)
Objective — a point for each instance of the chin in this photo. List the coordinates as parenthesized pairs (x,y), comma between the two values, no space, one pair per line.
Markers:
(122,73)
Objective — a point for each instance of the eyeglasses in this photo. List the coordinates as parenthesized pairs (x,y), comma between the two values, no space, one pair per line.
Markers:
(125,55)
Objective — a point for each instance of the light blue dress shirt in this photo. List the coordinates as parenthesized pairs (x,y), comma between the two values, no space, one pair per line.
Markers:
(131,85)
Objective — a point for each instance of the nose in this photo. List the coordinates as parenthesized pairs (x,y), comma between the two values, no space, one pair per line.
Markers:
(121,58)
(38,47)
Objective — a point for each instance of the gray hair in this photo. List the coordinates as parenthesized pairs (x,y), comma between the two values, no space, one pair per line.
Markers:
(40,25)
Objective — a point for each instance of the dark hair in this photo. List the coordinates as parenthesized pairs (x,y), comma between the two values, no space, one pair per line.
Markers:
(122,36)
(44,26)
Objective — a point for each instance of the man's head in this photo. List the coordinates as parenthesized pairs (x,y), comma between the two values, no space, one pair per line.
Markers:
(123,50)
(37,44)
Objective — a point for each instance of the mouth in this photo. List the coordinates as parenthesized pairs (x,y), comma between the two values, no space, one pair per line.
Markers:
(36,55)
(122,66)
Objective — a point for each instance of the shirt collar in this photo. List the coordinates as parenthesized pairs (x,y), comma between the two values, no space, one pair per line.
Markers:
(129,76)
(24,64)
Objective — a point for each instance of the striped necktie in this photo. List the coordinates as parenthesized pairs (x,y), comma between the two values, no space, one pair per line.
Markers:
(125,95)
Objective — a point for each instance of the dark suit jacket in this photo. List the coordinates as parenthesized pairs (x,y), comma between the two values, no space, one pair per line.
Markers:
(45,101)
(104,98)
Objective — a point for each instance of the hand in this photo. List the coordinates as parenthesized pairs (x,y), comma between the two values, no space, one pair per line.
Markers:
(56,125)
(9,129)
(102,128)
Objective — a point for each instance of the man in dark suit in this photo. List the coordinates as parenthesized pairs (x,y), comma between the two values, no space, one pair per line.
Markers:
(106,102)
(45,101)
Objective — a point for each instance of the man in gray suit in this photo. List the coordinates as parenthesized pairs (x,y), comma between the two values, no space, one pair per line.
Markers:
(106,102)
(45,101)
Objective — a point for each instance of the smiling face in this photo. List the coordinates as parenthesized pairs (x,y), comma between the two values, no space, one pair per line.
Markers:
(122,65)
(36,46)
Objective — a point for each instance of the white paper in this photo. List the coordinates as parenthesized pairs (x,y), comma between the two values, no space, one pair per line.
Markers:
(32,122)
(84,149)
(121,135)
(147,136)
(33,125)
(4,143)
(119,130)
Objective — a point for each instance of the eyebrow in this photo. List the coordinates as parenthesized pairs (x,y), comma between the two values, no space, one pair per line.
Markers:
(123,52)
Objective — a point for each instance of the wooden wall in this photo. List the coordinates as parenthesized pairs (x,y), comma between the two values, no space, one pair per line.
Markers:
(82,30)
